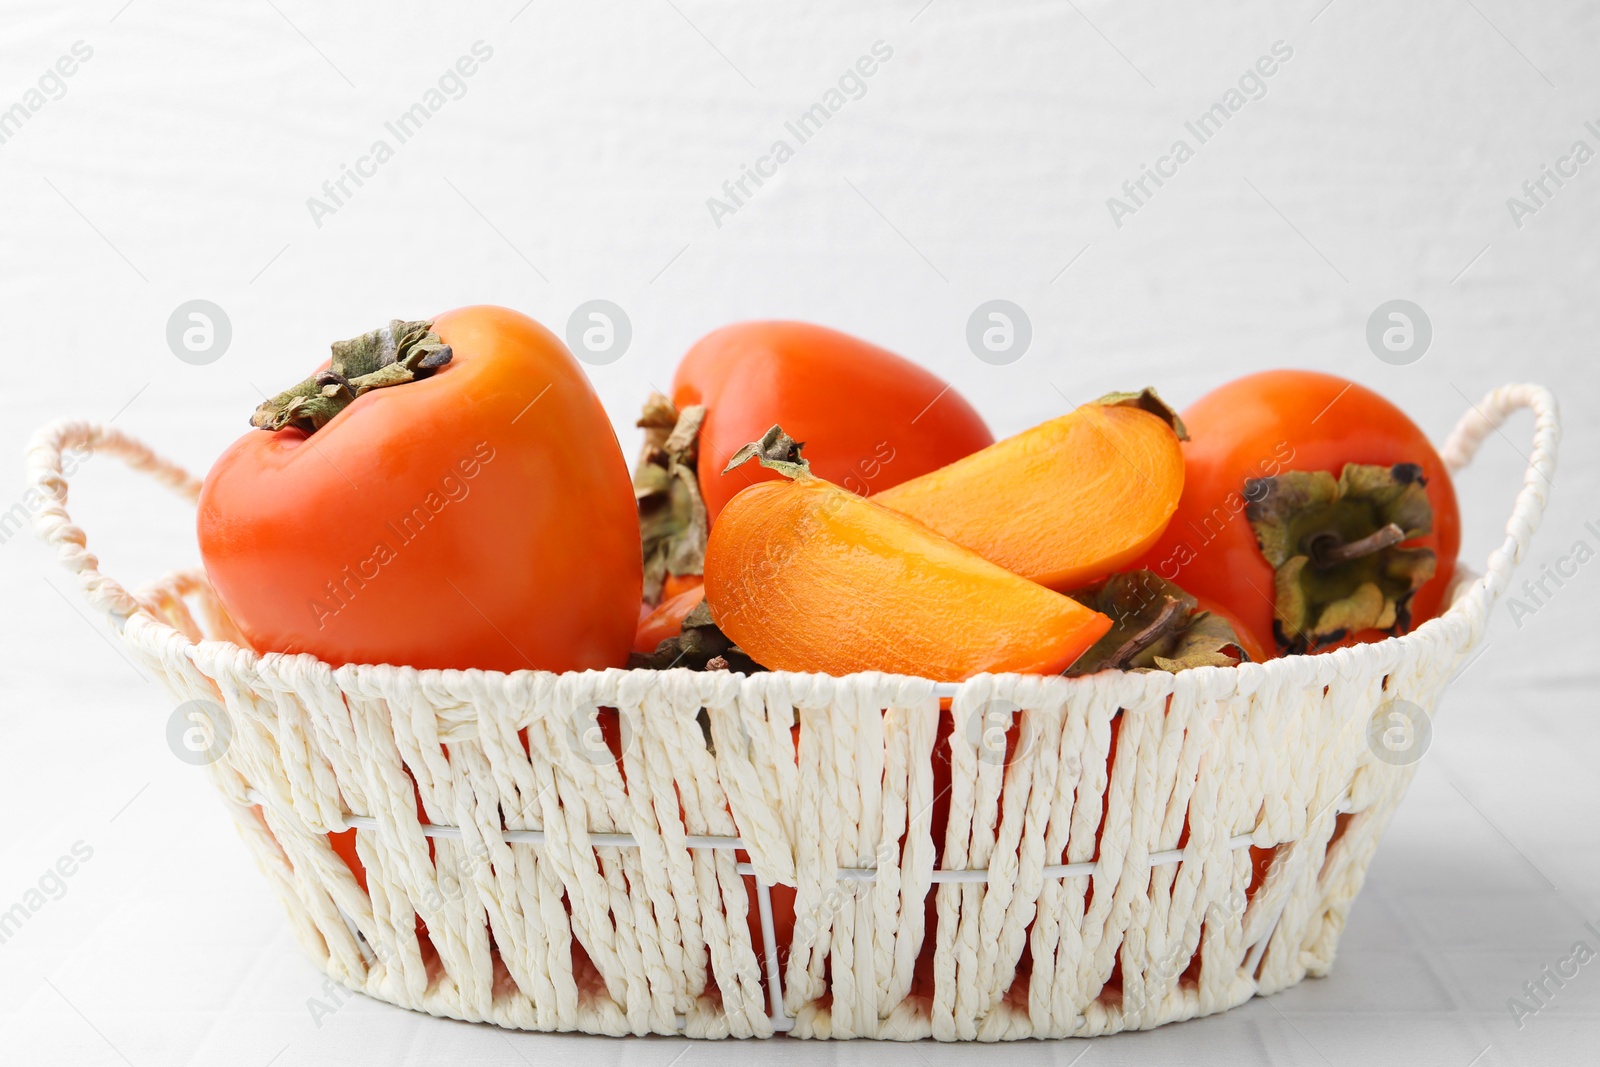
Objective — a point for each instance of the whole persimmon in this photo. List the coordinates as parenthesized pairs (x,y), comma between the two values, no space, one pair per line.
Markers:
(445,493)
(1314,511)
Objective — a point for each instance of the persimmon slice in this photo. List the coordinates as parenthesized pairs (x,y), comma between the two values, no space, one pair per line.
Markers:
(1065,503)
(804,575)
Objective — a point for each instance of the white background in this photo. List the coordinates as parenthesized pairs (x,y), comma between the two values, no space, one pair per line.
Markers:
(577,165)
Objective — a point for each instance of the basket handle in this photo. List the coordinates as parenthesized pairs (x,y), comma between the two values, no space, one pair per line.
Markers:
(1537,480)
(47,478)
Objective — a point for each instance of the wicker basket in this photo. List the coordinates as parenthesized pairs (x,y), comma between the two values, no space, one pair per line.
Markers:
(563,889)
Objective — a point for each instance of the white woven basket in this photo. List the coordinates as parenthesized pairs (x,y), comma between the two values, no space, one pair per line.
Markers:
(644,862)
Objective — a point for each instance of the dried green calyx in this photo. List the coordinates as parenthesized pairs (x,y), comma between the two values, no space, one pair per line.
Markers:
(1155,625)
(775,451)
(390,355)
(672,513)
(1336,548)
(1147,399)
(700,647)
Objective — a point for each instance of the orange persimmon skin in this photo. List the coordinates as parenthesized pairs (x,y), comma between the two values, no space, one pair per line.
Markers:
(1260,426)
(1248,642)
(805,576)
(495,488)
(869,419)
(667,619)
(1063,504)
(679,583)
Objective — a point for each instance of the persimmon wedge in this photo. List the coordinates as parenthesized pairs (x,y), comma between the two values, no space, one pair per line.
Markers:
(1065,503)
(803,575)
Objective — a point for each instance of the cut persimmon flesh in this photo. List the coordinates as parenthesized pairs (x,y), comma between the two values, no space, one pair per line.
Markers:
(1065,503)
(803,575)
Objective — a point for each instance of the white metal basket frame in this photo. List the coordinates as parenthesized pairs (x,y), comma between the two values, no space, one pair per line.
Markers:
(1289,929)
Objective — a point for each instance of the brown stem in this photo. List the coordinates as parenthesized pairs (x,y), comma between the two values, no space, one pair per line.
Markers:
(1329,550)
(776,451)
(1147,400)
(1159,627)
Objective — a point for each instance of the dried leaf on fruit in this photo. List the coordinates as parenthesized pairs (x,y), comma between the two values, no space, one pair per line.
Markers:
(1155,625)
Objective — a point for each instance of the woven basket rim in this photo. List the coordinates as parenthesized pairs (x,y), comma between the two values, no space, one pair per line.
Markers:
(1386,652)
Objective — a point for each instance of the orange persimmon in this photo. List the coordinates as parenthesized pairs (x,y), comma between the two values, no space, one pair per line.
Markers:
(1349,494)
(667,619)
(1248,644)
(444,493)
(806,576)
(871,418)
(679,583)
(1065,503)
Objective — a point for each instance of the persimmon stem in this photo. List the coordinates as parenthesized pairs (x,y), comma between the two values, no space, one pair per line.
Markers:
(1148,400)
(1329,550)
(1159,627)
(1327,581)
(390,355)
(776,451)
